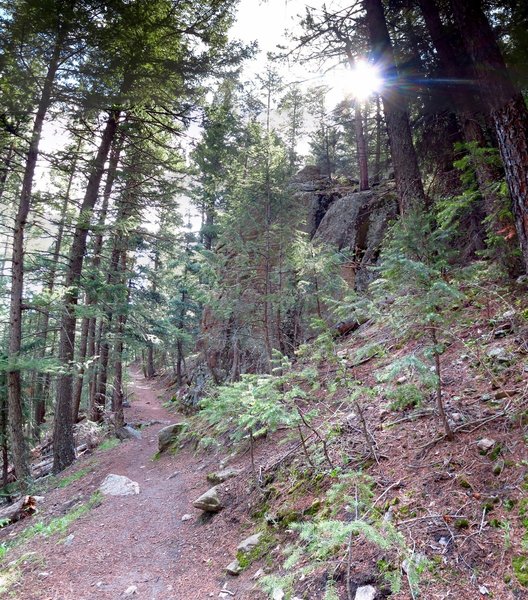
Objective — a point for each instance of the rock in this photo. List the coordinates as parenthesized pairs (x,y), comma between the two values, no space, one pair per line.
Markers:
(168,435)
(249,543)
(186,517)
(258,574)
(234,568)
(130,591)
(356,222)
(485,397)
(485,444)
(499,354)
(365,592)
(278,594)
(69,540)
(223,475)
(119,485)
(128,433)
(209,501)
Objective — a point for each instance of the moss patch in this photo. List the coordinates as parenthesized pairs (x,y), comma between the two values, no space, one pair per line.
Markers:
(266,543)
(520,568)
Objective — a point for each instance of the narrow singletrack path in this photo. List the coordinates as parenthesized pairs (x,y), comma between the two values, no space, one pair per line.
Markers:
(135,543)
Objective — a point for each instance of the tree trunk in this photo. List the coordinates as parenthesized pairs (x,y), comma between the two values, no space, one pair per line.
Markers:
(377,150)
(456,66)
(89,323)
(118,396)
(63,445)
(506,105)
(361,146)
(16,418)
(41,388)
(151,369)
(404,160)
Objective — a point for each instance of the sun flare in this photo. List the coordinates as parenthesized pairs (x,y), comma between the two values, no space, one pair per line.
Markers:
(365,80)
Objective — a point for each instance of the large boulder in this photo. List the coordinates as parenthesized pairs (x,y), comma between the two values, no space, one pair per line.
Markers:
(119,485)
(209,501)
(169,435)
(357,222)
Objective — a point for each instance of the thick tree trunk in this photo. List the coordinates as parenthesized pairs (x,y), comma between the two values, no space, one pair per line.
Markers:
(506,104)
(404,160)
(63,445)
(151,370)
(16,418)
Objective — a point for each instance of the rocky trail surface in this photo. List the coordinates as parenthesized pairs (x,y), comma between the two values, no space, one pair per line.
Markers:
(132,546)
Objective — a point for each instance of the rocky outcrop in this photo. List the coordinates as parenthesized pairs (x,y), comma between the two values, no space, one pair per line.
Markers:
(357,222)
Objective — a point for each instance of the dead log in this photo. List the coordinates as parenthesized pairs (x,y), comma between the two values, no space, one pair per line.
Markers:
(23,507)
(348,326)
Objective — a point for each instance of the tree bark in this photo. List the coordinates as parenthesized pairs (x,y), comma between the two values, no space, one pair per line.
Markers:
(405,163)
(63,444)
(506,105)
(15,413)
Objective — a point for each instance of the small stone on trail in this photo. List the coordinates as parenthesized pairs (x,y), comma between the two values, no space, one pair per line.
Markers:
(69,540)
(485,444)
(43,575)
(186,517)
(249,543)
(258,574)
(209,502)
(130,591)
(365,592)
(278,594)
(483,590)
(234,568)
(119,485)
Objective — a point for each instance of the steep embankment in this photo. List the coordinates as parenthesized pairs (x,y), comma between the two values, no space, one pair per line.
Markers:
(444,518)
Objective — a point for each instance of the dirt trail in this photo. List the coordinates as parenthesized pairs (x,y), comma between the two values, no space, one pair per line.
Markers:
(138,540)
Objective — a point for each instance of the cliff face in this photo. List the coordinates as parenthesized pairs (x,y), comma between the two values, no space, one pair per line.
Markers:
(342,217)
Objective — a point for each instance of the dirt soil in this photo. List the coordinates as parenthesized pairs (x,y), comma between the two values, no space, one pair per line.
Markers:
(136,543)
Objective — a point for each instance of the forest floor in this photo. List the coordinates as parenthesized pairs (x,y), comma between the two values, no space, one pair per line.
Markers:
(462,509)
(133,546)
